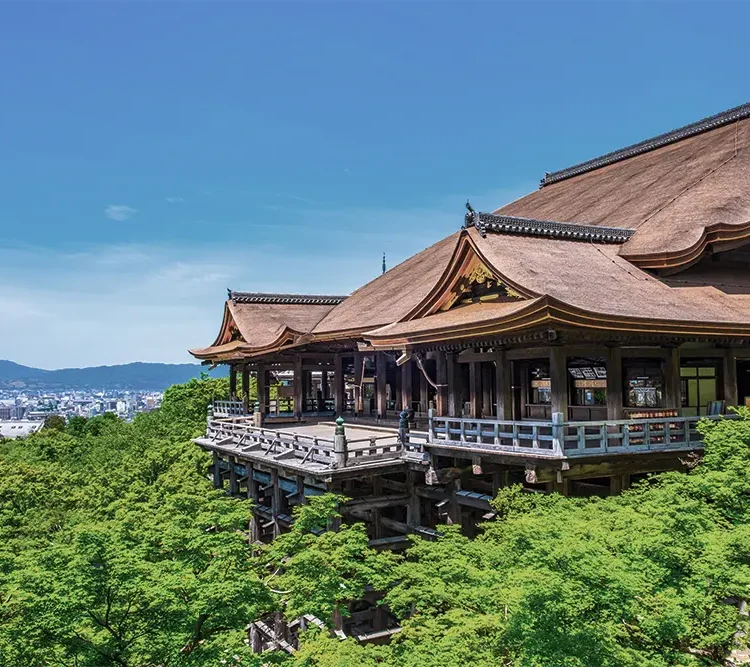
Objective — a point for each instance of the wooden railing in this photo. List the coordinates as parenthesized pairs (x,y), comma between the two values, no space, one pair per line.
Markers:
(277,444)
(560,439)
(229,409)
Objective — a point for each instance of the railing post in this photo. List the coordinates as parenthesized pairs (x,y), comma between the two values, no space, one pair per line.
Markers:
(558,433)
(339,444)
(403,427)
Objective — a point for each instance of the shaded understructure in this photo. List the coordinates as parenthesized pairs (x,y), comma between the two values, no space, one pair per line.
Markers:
(568,341)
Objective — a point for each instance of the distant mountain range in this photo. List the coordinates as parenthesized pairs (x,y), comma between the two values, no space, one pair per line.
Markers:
(136,376)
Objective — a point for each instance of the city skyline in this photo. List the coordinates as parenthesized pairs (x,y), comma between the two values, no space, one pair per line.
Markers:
(161,153)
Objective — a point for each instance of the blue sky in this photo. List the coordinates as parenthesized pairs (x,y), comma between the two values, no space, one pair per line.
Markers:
(154,154)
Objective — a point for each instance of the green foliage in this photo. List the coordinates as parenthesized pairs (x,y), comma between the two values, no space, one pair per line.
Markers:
(316,574)
(115,549)
(55,423)
(637,580)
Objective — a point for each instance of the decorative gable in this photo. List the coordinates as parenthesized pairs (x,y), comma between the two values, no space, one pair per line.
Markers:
(479,285)
(468,279)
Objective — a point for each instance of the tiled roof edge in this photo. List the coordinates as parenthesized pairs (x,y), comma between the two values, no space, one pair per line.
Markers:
(289,299)
(506,224)
(710,123)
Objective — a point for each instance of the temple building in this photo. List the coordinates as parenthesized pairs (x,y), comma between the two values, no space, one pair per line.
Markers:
(569,341)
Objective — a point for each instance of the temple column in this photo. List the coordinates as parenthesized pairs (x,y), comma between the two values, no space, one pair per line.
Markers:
(306,386)
(453,385)
(486,377)
(503,386)
(261,381)
(218,481)
(730,376)
(406,385)
(614,383)
(338,384)
(558,373)
(253,494)
(380,384)
(441,373)
(298,386)
(358,371)
(245,388)
(671,370)
(475,389)
(323,390)
(275,501)
(232,382)
(424,395)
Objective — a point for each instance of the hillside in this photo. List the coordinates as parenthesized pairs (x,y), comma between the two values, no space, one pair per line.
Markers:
(135,376)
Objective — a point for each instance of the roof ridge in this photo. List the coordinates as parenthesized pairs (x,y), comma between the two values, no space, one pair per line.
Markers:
(509,224)
(710,123)
(293,299)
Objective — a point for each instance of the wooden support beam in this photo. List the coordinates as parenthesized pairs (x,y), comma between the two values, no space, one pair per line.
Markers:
(406,385)
(486,378)
(245,386)
(413,514)
(232,381)
(454,390)
(338,384)
(730,376)
(275,500)
(475,390)
(324,386)
(298,386)
(358,371)
(503,386)
(261,380)
(381,383)
(672,385)
(558,370)
(234,487)
(441,373)
(424,400)
(615,384)
(218,482)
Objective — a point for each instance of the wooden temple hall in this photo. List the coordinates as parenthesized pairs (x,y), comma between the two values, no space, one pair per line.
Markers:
(569,341)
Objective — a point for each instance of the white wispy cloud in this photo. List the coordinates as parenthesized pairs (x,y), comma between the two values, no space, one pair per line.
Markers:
(120,212)
(174,200)
(149,302)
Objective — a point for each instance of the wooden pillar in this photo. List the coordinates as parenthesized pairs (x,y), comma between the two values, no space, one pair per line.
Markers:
(671,370)
(730,377)
(324,387)
(406,385)
(261,380)
(358,371)
(454,389)
(380,383)
(298,386)
(232,382)
(413,514)
(301,490)
(338,384)
(424,395)
(441,374)
(246,387)
(503,386)
(475,390)
(234,487)
(615,401)
(486,378)
(275,500)
(218,482)
(558,370)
